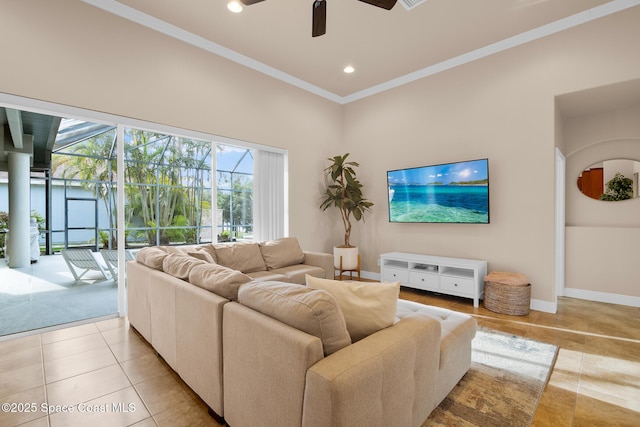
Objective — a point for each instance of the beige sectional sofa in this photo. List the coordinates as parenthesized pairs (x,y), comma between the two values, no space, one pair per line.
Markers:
(262,349)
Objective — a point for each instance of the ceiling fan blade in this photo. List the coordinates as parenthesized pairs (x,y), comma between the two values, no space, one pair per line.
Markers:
(249,2)
(385,4)
(319,26)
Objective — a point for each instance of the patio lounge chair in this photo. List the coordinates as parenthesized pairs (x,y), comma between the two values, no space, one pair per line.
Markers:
(110,257)
(83,260)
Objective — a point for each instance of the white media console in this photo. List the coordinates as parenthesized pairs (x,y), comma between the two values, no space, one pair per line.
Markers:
(452,276)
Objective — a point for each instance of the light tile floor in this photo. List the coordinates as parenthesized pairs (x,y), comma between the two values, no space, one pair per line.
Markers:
(119,380)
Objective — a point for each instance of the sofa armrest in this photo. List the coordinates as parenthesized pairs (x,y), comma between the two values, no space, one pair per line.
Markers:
(265,362)
(322,260)
(388,378)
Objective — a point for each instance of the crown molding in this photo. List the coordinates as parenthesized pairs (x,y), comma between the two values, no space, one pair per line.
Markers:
(134,15)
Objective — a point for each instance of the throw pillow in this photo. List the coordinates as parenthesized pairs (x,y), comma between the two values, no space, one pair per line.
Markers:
(218,279)
(241,256)
(281,252)
(152,256)
(312,311)
(367,306)
(179,265)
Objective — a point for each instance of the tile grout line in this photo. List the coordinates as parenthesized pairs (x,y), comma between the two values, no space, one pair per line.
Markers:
(44,380)
(131,384)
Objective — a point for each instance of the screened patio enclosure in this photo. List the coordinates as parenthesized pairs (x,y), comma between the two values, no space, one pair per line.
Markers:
(174,187)
(169,189)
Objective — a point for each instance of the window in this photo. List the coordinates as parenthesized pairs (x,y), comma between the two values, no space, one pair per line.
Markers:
(168,187)
(234,170)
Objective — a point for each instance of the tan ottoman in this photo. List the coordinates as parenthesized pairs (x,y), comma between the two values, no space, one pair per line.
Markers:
(457,331)
(507,293)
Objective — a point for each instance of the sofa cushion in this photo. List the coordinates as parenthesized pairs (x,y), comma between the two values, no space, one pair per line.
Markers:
(179,265)
(281,252)
(298,273)
(241,256)
(179,249)
(367,306)
(267,275)
(205,252)
(312,311)
(152,256)
(218,279)
(202,255)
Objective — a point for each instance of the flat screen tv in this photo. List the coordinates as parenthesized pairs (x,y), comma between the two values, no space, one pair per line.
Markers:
(447,193)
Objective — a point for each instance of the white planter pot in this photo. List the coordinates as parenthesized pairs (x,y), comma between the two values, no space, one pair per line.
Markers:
(349,258)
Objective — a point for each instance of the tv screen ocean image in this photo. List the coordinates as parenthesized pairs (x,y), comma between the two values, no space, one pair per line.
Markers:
(452,192)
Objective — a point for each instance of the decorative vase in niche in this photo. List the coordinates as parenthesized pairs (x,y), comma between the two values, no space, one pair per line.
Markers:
(349,258)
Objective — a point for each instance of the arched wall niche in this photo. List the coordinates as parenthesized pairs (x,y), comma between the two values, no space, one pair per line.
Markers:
(601,237)
(600,241)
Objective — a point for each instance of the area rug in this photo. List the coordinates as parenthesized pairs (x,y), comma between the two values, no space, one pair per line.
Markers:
(504,385)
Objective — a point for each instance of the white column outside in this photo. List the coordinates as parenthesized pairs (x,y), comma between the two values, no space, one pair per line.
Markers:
(19,209)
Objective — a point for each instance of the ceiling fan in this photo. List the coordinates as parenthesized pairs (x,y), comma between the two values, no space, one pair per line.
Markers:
(319,25)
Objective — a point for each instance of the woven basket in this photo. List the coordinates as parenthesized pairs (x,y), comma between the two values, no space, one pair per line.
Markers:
(507,299)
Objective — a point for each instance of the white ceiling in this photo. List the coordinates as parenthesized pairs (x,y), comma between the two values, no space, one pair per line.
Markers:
(387,48)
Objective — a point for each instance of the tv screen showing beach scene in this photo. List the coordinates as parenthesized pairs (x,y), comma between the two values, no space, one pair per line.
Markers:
(447,193)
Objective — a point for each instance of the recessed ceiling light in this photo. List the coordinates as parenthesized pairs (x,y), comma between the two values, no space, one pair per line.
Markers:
(234,6)
(349,69)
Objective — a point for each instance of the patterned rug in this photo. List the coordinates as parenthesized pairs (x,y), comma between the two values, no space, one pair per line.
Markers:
(504,385)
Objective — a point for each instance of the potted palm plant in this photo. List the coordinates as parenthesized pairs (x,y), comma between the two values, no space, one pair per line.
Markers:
(344,191)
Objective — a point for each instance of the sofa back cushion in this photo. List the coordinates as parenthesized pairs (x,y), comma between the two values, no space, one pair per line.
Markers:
(204,252)
(367,306)
(179,265)
(152,256)
(312,311)
(281,252)
(241,256)
(218,279)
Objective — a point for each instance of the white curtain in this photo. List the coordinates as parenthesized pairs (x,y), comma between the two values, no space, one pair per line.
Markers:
(269,196)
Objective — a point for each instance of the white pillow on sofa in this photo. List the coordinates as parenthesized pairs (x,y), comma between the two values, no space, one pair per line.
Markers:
(367,306)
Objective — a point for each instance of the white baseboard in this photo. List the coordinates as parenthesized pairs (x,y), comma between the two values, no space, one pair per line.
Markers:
(602,297)
(546,306)
(369,275)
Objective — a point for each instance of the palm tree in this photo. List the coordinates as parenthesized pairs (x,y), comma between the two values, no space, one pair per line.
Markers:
(163,179)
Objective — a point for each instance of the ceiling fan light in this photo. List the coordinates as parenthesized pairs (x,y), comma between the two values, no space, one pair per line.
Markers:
(234,6)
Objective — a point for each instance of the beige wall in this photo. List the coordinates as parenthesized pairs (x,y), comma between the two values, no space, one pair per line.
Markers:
(500,107)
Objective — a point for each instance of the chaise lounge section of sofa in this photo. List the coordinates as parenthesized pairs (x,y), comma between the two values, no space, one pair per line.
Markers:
(262,348)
